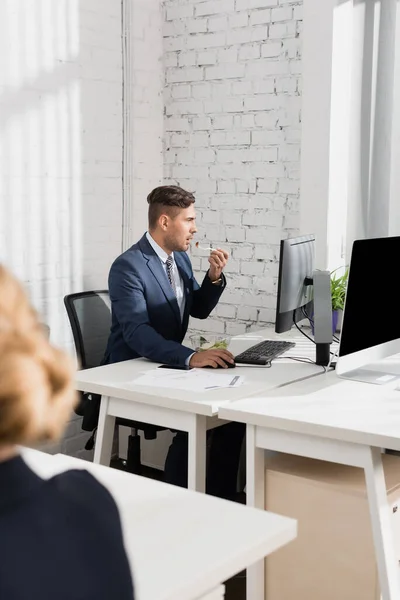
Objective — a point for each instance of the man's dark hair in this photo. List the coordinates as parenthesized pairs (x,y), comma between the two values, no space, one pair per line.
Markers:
(168,199)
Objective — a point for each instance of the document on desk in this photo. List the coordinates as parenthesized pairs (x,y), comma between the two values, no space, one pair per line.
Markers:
(195,380)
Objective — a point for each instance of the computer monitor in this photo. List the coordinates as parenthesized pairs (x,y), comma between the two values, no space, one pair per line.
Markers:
(304,291)
(371,319)
(295,292)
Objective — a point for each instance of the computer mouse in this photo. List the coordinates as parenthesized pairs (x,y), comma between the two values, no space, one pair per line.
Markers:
(229,365)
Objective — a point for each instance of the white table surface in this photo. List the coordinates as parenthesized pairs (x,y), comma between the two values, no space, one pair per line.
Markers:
(191,412)
(117,380)
(329,406)
(332,419)
(181,545)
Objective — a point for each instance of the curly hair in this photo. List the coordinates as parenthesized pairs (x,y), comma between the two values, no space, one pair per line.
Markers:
(168,199)
(36,390)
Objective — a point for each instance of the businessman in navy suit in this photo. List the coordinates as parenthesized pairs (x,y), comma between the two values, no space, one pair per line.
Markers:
(153,292)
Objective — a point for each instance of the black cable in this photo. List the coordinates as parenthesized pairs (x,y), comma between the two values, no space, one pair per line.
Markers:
(336,338)
(301,331)
(304,359)
(305,313)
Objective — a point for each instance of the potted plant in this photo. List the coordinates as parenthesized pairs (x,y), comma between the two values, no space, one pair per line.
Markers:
(338,295)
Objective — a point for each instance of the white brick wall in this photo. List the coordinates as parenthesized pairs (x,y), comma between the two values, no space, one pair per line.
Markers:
(143,86)
(60,152)
(232,135)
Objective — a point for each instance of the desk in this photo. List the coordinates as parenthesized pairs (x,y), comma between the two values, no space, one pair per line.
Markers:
(176,409)
(181,545)
(330,419)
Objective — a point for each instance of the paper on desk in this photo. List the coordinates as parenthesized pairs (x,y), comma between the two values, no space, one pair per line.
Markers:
(195,380)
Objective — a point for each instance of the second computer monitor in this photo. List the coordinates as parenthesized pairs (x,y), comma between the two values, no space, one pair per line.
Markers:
(295,290)
(304,292)
(371,318)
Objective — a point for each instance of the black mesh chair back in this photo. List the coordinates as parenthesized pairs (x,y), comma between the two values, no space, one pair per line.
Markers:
(89,314)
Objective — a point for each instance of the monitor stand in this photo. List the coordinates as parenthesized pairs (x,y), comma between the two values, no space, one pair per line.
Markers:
(323,335)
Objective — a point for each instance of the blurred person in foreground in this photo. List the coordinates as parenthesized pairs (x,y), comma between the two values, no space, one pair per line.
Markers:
(60,538)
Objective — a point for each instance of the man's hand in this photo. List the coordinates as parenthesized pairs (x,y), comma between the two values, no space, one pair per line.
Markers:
(211,358)
(217,259)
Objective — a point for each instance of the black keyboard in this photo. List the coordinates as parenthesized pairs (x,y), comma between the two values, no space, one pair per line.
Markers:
(263,353)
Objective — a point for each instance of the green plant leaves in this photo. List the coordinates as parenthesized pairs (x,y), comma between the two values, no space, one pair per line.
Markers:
(338,289)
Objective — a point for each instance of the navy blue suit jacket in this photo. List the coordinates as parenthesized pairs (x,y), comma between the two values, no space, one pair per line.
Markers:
(60,539)
(146,320)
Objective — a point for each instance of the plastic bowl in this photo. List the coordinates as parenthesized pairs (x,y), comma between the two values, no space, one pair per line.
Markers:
(209,341)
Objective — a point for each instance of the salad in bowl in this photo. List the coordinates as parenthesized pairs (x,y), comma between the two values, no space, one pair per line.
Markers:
(209,341)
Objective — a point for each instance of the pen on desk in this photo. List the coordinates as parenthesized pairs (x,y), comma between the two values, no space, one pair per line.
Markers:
(233,381)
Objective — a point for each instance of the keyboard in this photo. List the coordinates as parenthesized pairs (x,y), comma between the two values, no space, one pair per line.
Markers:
(263,353)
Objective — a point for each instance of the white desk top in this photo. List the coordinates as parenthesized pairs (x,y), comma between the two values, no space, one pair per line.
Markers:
(117,380)
(326,406)
(180,544)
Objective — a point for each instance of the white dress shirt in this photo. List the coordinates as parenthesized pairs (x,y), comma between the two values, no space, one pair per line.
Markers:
(179,285)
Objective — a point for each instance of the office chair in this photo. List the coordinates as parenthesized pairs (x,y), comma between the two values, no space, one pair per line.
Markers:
(89,314)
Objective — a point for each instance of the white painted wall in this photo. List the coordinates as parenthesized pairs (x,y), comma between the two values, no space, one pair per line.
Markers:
(350,127)
(60,152)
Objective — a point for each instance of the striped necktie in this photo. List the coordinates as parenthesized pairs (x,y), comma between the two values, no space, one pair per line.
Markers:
(170,266)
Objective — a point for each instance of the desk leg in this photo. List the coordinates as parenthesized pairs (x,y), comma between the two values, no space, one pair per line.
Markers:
(197,453)
(381,526)
(255,497)
(104,435)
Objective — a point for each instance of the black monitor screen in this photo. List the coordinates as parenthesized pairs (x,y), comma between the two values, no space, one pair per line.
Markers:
(371,316)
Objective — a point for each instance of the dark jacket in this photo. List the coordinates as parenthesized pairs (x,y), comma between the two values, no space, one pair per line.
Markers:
(145,314)
(60,539)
